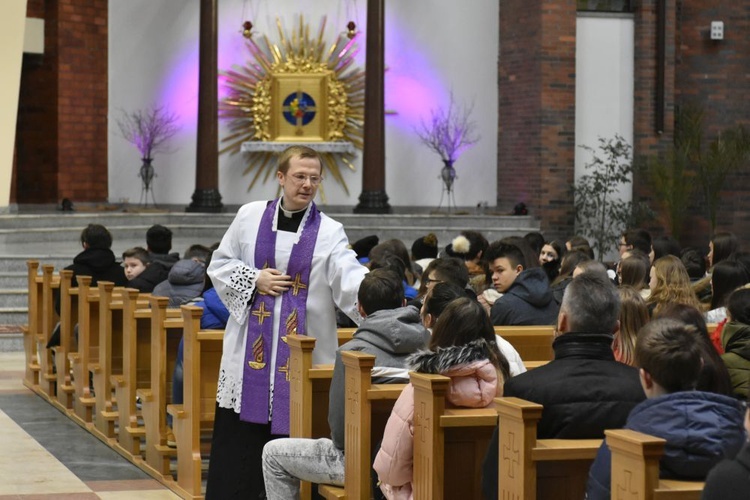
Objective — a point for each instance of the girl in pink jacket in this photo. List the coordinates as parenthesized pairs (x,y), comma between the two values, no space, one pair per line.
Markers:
(463,348)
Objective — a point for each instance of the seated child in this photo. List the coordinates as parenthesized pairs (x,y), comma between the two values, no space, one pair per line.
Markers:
(701,428)
(463,348)
(135,260)
(389,331)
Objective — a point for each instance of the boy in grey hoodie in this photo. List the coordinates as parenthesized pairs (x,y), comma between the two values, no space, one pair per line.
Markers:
(391,332)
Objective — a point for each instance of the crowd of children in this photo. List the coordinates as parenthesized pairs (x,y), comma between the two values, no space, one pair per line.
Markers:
(659,343)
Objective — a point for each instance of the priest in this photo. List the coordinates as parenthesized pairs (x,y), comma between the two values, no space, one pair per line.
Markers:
(282,268)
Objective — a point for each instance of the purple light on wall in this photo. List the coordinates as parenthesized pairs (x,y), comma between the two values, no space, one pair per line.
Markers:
(412,85)
(179,89)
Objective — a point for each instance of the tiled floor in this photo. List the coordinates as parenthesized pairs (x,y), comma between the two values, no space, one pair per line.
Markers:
(44,455)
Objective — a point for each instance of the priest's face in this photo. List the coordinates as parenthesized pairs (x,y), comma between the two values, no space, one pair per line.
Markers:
(300,182)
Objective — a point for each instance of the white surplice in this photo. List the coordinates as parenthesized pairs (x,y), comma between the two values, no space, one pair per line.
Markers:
(334,281)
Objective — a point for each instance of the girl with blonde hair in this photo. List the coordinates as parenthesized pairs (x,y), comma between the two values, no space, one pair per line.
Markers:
(633,315)
(670,284)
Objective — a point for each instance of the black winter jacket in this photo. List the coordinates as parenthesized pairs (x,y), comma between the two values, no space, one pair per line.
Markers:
(528,301)
(730,480)
(583,390)
(156,272)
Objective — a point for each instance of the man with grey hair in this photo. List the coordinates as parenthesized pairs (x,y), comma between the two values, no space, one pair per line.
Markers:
(583,389)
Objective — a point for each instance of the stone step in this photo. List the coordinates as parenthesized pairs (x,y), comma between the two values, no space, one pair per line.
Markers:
(14,316)
(11,342)
(16,265)
(12,279)
(14,297)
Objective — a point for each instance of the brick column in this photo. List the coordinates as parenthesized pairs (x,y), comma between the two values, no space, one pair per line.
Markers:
(62,129)
(536,118)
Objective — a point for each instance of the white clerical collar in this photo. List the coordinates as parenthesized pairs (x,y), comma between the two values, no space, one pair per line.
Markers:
(289,213)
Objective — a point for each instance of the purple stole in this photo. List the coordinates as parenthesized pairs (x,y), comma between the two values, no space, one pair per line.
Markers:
(256,388)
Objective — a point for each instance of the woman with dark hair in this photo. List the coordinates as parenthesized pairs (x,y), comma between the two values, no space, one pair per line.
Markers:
(633,270)
(435,302)
(568,264)
(727,276)
(721,247)
(714,376)
(387,254)
(550,257)
(463,348)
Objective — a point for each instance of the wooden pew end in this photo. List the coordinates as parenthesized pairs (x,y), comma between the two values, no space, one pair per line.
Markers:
(177,411)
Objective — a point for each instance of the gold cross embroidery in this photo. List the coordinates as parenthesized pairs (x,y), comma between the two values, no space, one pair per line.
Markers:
(261,313)
(297,284)
(285,370)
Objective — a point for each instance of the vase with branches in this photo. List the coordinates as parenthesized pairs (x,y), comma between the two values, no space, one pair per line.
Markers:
(148,130)
(449,132)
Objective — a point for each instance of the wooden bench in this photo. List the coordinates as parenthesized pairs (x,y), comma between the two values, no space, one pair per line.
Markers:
(449,443)
(635,469)
(110,360)
(531,468)
(308,395)
(68,320)
(533,343)
(84,359)
(368,407)
(195,416)
(33,329)
(47,377)
(136,373)
(166,331)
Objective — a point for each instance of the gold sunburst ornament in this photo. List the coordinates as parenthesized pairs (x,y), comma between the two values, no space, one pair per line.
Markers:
(299,90)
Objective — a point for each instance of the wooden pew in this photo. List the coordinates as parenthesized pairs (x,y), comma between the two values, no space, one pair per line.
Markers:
(195,416)
(635,469)
(136,373)
(533,343)
(87,354)
(449,443)
(33,329)
(368,407)
(68,319)
(165,338)
(531,468)
(47,375)
(308,395)
(110,360)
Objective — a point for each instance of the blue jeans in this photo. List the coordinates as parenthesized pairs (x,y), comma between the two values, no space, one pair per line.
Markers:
(288,461)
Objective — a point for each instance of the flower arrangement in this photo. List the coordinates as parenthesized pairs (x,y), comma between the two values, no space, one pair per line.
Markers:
(449,132)
(148,129)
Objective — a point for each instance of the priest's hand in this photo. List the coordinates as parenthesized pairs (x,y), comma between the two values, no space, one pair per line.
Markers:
(273,282)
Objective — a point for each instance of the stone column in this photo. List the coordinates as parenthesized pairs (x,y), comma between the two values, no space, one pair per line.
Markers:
(374,199)
(206,197)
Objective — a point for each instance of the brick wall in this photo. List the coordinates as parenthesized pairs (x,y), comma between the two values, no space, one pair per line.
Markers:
(62,129)
(715,75)
(536,118)
(712,74)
